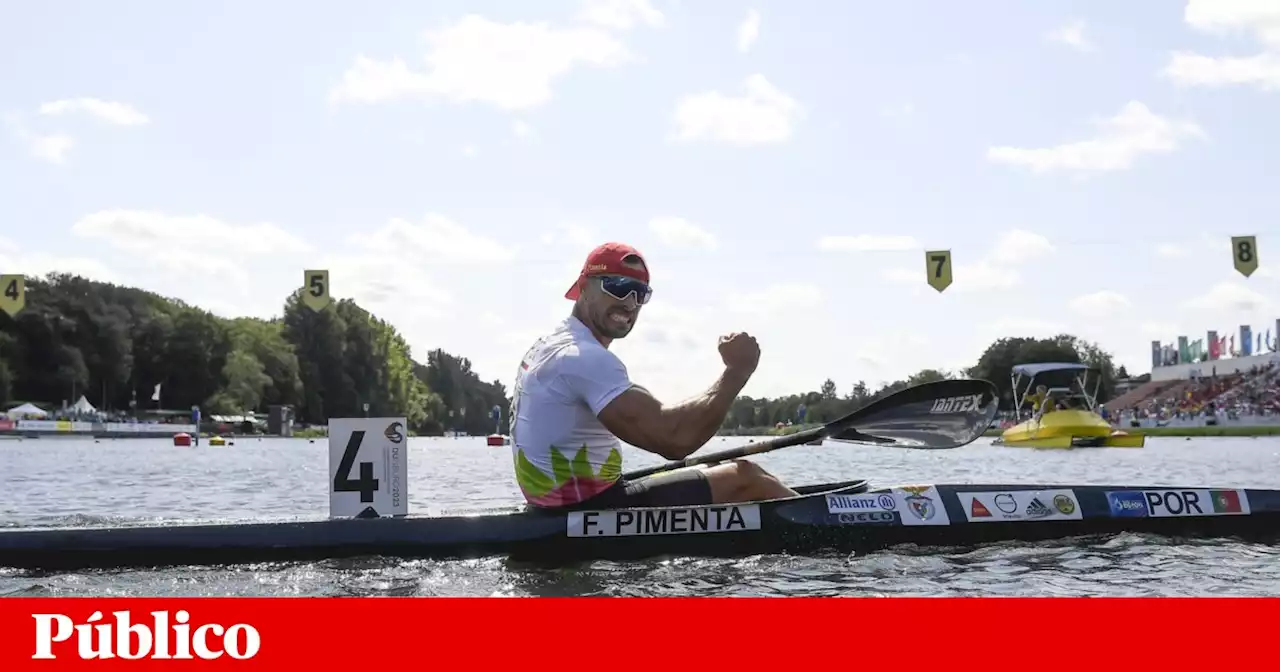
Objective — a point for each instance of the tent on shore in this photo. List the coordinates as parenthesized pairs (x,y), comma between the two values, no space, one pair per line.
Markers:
(27,409)
(83,406)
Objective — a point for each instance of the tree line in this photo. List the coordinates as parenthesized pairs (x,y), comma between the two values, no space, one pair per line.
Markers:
(114,344)
(749,415)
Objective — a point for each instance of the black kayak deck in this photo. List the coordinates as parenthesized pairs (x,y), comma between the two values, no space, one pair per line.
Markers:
(839,517)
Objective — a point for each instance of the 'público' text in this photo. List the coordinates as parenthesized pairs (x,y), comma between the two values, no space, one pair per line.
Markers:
(158,640)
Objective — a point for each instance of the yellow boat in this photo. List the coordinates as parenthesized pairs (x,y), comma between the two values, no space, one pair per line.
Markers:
(1077,426)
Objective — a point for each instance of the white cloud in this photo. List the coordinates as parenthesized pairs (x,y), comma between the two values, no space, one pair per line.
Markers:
(1105,303)
(437,238)
(776,298)
(748,30)
(14,259)
(1229,298)
(149,230)
(111,112)
(620,14)
(470,151)
(48,147)
(521,129)
(511,66)
(682,234)
(1134,132)
(1191,69)
(187,243)
(883,355)
(867,243)
(1071,34)
(1261,18)
(763,115)
(409,294)
(997,269)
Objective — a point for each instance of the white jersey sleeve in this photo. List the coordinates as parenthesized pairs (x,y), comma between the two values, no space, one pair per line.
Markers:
(594,376)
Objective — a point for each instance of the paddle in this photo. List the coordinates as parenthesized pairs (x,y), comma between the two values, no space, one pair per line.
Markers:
(940,415)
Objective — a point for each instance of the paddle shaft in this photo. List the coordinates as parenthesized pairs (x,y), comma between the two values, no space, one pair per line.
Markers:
(843,426)
(733,453)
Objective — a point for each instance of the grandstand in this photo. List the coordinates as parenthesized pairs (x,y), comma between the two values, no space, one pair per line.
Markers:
(1195,384)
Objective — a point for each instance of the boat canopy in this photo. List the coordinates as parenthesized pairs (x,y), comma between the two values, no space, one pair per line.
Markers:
(1039,368)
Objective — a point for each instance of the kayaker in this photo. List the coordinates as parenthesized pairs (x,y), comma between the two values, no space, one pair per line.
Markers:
(573,404)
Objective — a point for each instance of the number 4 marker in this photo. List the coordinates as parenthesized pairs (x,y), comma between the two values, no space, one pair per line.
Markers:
(368,465)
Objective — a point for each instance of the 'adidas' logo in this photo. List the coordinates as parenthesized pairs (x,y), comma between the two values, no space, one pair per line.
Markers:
(1037,509)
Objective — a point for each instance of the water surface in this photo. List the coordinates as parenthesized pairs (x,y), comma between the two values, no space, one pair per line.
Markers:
(83,482)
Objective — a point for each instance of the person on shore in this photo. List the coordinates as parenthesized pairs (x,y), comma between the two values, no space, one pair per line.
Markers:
(573,404)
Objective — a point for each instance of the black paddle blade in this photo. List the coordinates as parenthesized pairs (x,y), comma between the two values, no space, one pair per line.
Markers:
(940,415)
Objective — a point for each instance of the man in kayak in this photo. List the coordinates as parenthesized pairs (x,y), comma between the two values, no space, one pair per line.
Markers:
(574,403)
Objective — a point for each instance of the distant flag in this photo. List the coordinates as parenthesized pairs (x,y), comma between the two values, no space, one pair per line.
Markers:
(155,396)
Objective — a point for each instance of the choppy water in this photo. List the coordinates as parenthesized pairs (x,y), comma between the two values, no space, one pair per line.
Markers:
(78,482)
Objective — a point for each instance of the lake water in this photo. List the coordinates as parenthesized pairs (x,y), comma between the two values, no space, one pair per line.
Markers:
(83,482)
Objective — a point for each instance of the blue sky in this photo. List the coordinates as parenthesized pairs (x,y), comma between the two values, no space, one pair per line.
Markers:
(451,162)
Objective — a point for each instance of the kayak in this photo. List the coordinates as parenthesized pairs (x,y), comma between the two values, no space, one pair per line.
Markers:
(837,517)
(368,507)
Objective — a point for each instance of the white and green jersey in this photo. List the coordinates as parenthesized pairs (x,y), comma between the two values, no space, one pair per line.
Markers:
(562,453)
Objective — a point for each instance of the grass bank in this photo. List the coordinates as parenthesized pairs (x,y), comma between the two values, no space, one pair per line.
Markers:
(1218,430)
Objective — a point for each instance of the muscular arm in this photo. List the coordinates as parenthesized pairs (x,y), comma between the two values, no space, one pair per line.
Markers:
(675,432)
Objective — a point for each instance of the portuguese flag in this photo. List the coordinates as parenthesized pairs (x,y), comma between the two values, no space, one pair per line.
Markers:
(1225,501)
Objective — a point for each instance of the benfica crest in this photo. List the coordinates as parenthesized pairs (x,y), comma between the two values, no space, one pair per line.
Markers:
(921,506)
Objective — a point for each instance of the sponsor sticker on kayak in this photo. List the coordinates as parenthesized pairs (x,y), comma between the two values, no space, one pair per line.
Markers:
(655,521)
(859,503)
(1020,505)
(1177,503)
(863,509)
(919,505)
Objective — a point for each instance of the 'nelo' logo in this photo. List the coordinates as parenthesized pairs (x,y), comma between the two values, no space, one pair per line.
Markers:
(393,433)
(157,640)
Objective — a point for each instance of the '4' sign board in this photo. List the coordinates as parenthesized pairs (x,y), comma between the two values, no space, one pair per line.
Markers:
(368,462)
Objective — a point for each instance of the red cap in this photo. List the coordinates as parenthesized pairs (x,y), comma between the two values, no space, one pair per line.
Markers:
(607,260)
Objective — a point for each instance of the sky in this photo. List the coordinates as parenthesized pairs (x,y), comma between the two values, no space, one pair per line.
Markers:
(782,165)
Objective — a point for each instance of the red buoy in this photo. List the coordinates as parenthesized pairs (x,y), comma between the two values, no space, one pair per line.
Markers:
(182,439)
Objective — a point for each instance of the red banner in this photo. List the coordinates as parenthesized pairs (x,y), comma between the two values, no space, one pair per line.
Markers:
(650,634)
